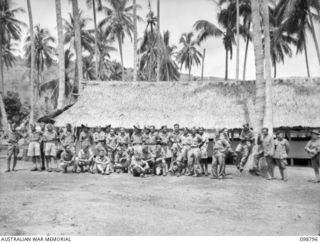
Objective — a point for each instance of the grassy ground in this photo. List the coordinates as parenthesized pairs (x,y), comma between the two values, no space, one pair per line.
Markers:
(41,203)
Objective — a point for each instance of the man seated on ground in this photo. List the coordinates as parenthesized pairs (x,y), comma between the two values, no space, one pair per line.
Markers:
(49,139)
(103,163)
(124,161)
(140,162)
(13,147)
(161,167)
(85,159)
(67,159)
(34,147)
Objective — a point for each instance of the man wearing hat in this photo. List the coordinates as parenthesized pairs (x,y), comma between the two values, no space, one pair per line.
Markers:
(313,149)
(136,137)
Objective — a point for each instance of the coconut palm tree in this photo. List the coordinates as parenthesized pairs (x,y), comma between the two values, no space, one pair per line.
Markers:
(44,51)
(189,55)
(259,64)
(89,68)
(119,22)
(298,20)
(62,81)
(32,62)
(227,20)
(135,42)
(105,47)
(77,47)
(169,70)
(95,5)
(10,29)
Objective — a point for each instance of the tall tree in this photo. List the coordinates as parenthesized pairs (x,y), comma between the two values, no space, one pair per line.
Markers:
(77,30)
(10,29)
(95,4)
(267,56)
(62,80)
(44,52)
(135,41)
(119,23)
(206,29)
(189,55)
(32,63)
(238,38)
(158,41)
(259,64)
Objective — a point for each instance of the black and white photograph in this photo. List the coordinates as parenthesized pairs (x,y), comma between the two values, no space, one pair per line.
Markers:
(159,118)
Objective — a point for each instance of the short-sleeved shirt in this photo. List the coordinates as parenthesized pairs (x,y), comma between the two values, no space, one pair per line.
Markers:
(67,138)
(99,136)
(267,143)
(314,145)
(112,140)
(14,137)
(35,136)
(49,136)
(67,156)
(176,137)
(164,138)
(136,138)
(195,140)
(220,145)
(123,139)
(185,140)
(85,155)
(281,149)
(247,135)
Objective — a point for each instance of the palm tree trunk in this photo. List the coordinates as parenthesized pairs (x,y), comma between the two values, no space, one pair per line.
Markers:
(121,56)
(158,41)
(135,41)
(314,35)
(2,107)
(32,89)
(78,48)
(306,57)
(238,40)
(62,77)
(274,70)
(203,57)
(245,58)
(226,67)
(259,64)
(96,49)
(267,52)
(189,73)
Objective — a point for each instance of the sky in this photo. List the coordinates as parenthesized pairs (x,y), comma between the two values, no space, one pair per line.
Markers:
(179,16)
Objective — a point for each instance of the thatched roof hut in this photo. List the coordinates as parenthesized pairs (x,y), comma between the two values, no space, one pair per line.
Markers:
(207,104)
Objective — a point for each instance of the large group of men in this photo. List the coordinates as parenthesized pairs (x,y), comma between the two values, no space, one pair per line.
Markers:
(149,151)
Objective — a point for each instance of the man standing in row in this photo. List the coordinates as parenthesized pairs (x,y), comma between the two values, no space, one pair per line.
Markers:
(313,149)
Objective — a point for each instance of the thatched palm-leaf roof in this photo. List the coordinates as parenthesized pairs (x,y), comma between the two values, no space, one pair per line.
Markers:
(207,104)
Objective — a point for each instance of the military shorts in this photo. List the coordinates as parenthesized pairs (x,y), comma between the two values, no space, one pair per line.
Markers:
(315,162)
(50,149)
(282,163)
(34,149)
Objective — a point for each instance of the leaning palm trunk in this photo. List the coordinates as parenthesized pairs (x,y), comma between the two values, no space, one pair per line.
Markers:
(158,42)
(306,57)
(96,49)
(1,66)
(78,48)
(135,40)
(246,55)
(4,116)
(62,82)
(259,64)
(267,52)
(238,41)
(32,89)
(314,35)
